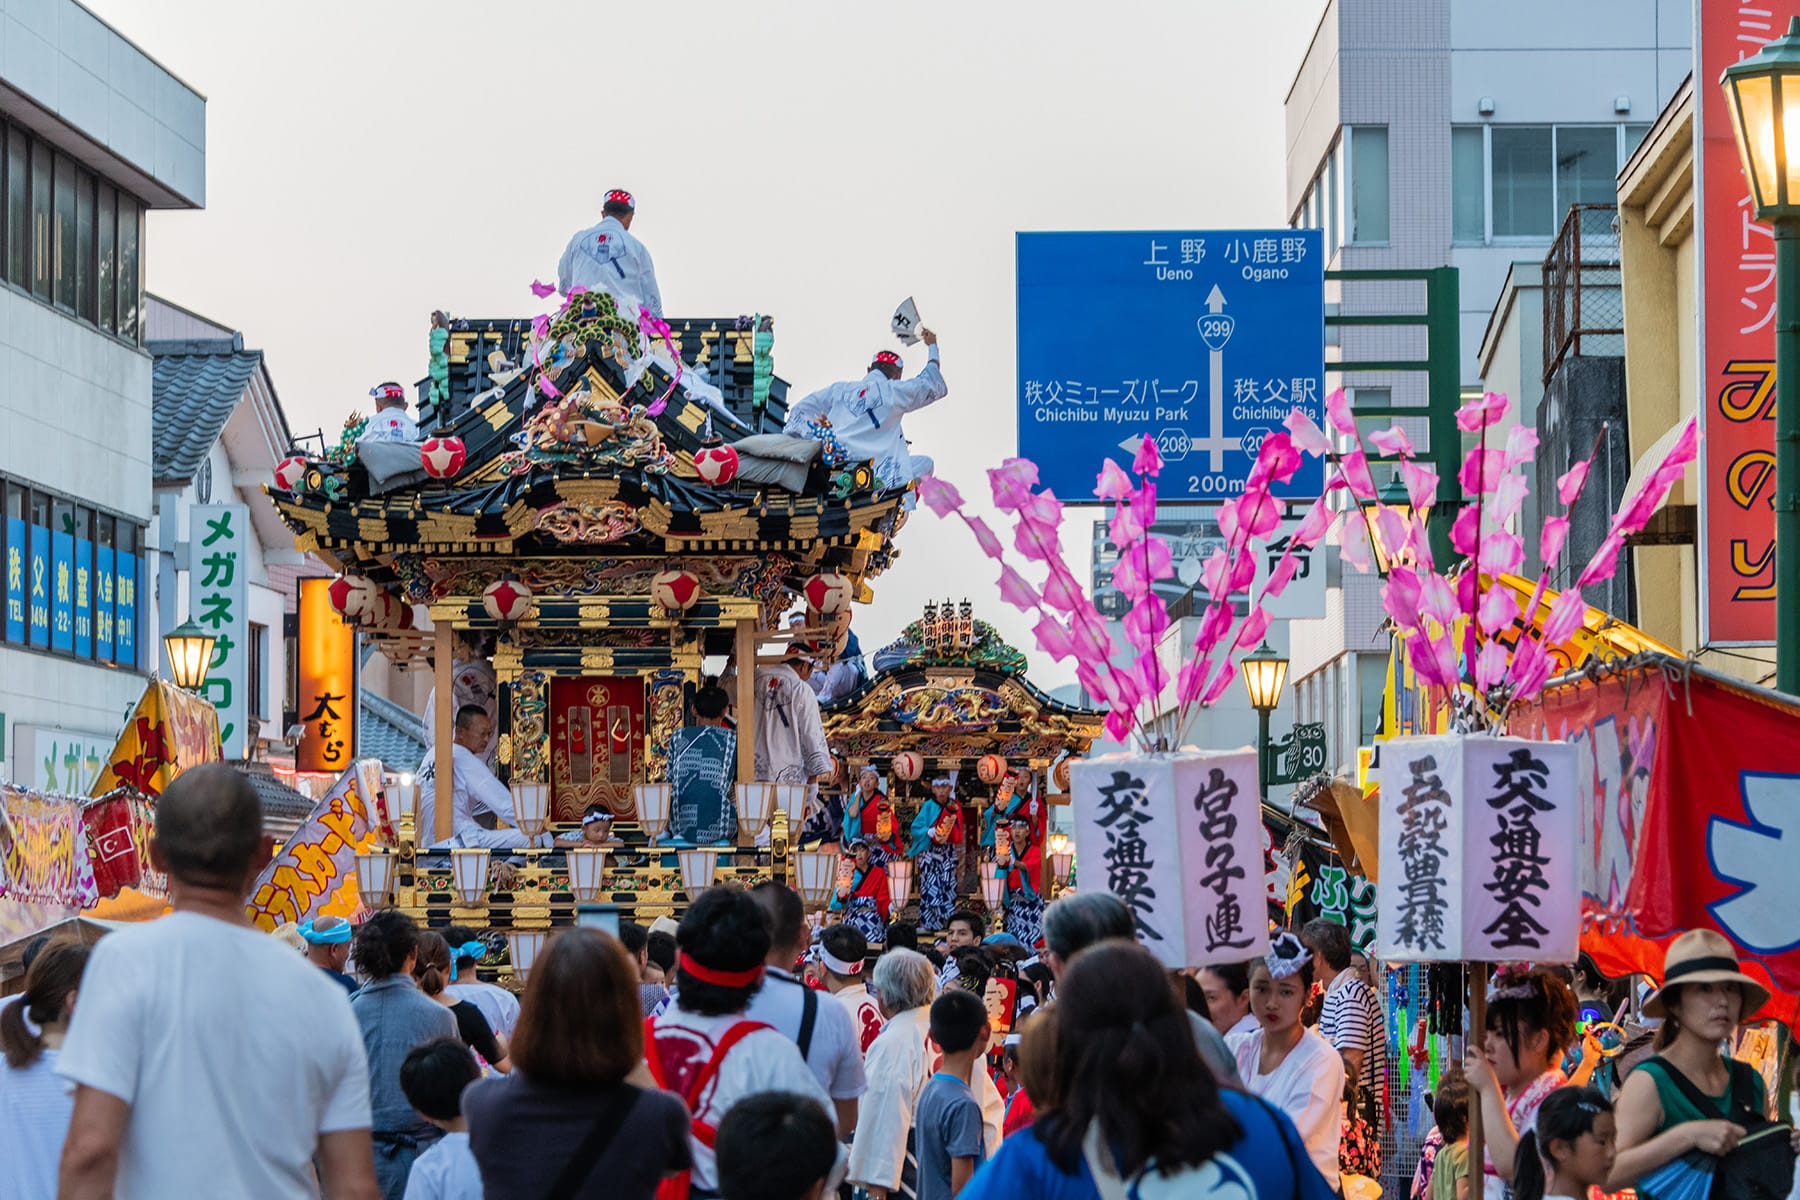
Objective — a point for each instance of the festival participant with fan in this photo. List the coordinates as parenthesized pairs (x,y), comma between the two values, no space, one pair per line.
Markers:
(869,815)
(937,836)
(860,420)
(1012,796)
(1689,1096)
(862,895)
(1023,903)
(607,258)
(1286,1063)
(1530,1018)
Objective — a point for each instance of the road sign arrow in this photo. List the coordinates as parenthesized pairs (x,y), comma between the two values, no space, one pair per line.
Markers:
(1215,299)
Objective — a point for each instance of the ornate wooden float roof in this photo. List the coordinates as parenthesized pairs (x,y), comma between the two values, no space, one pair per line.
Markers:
(949,687)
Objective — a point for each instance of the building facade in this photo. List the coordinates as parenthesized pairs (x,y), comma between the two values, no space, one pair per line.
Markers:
(93,135)
(1433,133)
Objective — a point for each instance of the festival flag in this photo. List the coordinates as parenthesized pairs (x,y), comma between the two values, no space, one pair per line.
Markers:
(170,731)
(321,855)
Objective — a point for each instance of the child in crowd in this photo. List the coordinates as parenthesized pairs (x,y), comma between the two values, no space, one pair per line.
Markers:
(1570,1150)
(775,1146)
(948,1129)
(433,1078)
(1450,1170)
(596,829)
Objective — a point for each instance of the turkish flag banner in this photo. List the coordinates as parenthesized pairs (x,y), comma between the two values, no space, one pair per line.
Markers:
(1689,785)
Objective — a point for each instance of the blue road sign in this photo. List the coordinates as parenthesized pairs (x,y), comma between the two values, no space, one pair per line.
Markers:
(1206,339)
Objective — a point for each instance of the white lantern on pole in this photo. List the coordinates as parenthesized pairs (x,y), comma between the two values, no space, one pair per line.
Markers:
(375,877)
(470,869)
(993,887)
(899,877)
(697,867)
(587,872)
(755,807)
(523,947)
(653,808)
(531,804)
(815,874)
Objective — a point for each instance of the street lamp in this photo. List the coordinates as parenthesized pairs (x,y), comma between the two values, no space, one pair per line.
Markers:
(1394,495)
(1760,90)
(1264,672)
(189,648)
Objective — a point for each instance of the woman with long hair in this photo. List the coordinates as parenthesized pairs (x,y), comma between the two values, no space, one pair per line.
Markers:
(1132,1105)
(1570,1149)
(394,1017)
(35,1105)
(432,970)
(1287,1063)
(1703,999)
(568,1120)
(1530,1021)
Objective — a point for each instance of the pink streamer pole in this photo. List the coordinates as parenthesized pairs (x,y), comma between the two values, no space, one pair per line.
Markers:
(653,328)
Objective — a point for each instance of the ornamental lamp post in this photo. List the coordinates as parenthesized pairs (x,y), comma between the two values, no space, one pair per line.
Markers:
(1764,93)
(1393,494)
(189,648)
(1265,671)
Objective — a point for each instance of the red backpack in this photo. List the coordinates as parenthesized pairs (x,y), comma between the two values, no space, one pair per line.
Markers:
(676,1187)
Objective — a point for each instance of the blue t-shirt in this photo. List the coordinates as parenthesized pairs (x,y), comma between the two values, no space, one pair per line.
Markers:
(1268,1162)
(948,1125)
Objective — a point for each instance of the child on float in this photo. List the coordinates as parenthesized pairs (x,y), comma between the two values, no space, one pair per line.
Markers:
(1530,1020)
(1569,1151)
(1288,1064)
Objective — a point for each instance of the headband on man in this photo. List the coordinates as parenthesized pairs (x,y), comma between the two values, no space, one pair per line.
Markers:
(590,818)
(887,358)
(838,965)
(388,391)
(730,979)
(470,949)
(336,935)
(621,196)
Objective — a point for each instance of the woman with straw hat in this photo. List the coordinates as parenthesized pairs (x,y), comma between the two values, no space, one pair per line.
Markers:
(1703,999)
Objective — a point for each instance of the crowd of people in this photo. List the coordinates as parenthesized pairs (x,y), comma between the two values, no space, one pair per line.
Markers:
(195,1056)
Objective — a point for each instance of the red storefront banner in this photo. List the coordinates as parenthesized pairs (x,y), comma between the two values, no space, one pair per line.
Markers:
(1737,348)
(1690,816)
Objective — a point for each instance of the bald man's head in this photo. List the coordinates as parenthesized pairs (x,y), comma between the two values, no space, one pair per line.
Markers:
(209,827)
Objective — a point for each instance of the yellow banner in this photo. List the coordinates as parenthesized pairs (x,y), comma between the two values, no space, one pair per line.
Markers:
(1409,708)
(321,856)
(171,731)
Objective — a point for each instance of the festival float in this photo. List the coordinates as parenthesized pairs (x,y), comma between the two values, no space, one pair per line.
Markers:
(608,500)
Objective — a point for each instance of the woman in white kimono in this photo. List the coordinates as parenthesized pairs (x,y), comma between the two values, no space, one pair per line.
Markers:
(1287,1064)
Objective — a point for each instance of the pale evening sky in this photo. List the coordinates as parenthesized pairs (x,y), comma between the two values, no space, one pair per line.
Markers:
(816,161)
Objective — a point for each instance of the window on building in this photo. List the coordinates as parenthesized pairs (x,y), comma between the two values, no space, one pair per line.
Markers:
(84,247)
(1468,184)
(1523,181)
(1332,228)
(1587,165)
(64,589)
(1634,137)
(41,190)
(129,282)
(109,233)
(62,236)
(1369,183)
(18,207)
(256,672)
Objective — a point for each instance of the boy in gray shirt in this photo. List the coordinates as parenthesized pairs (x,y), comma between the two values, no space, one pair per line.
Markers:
(947,1127)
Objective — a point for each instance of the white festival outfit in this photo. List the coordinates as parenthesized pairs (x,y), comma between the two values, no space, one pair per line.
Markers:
(790,737)
(859,420)
(471,682)
(390,425)
(1307,1085)
(606,258)
(473,789)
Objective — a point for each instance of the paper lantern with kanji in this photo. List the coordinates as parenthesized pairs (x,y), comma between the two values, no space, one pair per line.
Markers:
(290,472)
(676,591)
(990,768)
(908,765)
(443,457)
(827,594)
(506,599)
(716,465)
(389,614)
(353,596)
(1060,774)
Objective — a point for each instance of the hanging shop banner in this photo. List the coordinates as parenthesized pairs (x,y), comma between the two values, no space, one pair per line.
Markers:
(54,759)
(326,691)
(1479,852)
(119,827)
(1178,838)
(84,598)
(62,591)
(321,855)
(125,596)
(37,584)
(1737,347)
(1691,794)
(103,603)
(44,850)
(170,731)
(219,600)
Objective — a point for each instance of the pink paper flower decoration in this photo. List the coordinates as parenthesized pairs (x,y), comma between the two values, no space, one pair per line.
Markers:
(1482,411)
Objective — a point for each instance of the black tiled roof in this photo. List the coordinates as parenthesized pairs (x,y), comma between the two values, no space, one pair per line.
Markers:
(390,733)
(278,799)
(196,384)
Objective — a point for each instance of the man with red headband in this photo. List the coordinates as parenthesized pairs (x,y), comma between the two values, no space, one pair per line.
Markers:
(859,420)
(606,258)
(391,422)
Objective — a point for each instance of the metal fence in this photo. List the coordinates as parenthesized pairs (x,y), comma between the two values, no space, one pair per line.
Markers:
(1584,305)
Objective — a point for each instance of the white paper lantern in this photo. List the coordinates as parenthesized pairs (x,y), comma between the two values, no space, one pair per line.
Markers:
(442,457)
(827,594)
(676,591)
(815,874)
(900,877)
(506,599)
(352,596)
(652,807)
(374,877)
(587,872)
(470,868)
(908,765)
(990,768)
(290,473)
(755,807)
(531,804)
(523,946)
(697,867)
(716,465)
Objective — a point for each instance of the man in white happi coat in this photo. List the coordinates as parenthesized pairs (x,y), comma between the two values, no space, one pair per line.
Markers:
(606,258)
(474,793)
(859,420)
(391,422)
(472,681)
(790,737)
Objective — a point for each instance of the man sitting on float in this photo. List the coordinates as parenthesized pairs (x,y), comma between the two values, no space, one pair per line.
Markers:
(606,258)
(391,422)
(859,420)
(478,800)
